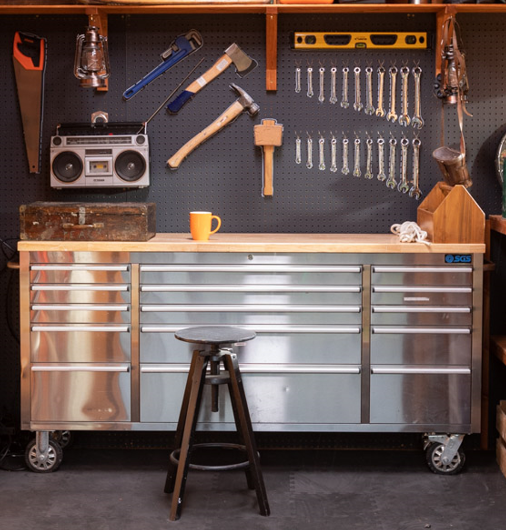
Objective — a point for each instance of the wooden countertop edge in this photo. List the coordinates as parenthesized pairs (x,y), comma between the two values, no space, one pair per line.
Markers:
(344,243)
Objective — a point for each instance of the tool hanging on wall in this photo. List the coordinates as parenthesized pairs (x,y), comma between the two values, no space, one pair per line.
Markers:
(232,55)
(268,135)
(345,103)
(309,153)
(354,40)
(29,59)
(180,48)
(91,62)
(243,103)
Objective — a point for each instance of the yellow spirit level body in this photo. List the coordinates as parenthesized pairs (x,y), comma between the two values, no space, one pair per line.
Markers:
(360,40)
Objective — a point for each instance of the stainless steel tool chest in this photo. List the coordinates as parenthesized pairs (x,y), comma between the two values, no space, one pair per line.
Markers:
(346,341)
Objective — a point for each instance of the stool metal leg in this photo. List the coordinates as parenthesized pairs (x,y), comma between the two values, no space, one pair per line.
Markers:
(237,395)
(188,435)
(172,469)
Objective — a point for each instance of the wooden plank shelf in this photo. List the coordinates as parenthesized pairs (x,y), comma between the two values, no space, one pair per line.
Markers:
(498,224)
(498,347)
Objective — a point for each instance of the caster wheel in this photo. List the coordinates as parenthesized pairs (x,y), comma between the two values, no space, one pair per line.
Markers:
(63,438)
(49,464)
(436,464)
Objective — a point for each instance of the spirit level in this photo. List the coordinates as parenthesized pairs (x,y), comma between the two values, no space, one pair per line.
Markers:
(379,40)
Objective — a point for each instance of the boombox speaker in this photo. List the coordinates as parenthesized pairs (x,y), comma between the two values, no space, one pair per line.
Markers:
(100,155)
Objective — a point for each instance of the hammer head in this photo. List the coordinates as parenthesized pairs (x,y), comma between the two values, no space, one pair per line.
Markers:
(243,64)
(246,100)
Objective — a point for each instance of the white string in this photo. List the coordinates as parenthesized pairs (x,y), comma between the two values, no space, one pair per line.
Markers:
(409,232)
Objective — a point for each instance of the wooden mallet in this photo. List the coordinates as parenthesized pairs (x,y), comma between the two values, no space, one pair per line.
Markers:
(268,135)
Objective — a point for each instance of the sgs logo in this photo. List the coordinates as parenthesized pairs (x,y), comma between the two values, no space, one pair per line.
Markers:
(458,258)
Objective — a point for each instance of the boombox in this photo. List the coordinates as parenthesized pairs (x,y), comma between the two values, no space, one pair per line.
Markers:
(99,156)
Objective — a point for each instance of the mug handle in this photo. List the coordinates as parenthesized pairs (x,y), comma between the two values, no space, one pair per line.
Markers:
(219,224)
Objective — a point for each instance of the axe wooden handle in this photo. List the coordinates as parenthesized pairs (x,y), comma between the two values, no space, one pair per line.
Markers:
(218,67)
(228,116)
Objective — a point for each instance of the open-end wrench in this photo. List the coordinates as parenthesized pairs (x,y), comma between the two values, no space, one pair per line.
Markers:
(309,160)
(358,106)
(417,121)
(381,159)
(369,107)
(392,115)
(368,159)
(297,78)
(310,92)
(403,184)
(391,182)
(333,83)
(345,169)
(321,152)
(333,154)
(356,167)
(321,96)
(404,118)
(344,101)
(298,149)
(415,189)
(380,111)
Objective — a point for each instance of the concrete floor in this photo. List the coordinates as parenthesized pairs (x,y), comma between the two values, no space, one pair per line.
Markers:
(308,490)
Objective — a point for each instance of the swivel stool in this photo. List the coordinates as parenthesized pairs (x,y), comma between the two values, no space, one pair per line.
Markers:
(215,352)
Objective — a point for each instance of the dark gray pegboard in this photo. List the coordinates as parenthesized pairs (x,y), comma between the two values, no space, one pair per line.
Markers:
(224,174)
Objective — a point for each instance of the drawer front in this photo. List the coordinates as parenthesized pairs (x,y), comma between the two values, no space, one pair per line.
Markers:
(421,275)
(251,275)
(80,343)
(250,315)
(79,273)
(80,392)
(320,345)
(278,398)
(431,346)
(257,295)
(80,293)
(421,296)
(415,395)
(80,313)
(421,316)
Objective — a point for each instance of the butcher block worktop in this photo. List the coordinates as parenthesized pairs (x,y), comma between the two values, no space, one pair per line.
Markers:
(223,242)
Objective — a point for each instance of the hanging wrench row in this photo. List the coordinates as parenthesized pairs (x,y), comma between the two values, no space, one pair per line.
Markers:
(384,165)
(367,106)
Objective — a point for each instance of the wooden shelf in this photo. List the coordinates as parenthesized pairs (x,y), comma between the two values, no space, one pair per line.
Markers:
(498,224)
(498,347)
(271,12)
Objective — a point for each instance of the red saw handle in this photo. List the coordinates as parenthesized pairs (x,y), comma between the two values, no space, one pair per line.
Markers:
(29,50)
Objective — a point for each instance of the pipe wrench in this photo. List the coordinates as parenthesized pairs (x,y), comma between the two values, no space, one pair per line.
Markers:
(181,47)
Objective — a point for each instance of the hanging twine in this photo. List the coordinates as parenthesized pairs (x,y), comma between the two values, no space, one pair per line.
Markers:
(409,232)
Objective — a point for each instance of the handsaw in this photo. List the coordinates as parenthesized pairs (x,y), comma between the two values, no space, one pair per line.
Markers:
(29,58)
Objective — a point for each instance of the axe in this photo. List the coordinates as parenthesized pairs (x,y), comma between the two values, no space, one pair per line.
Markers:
(233,54)
(243,103)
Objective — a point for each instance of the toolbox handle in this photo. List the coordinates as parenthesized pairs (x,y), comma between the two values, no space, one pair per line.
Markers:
(94,225)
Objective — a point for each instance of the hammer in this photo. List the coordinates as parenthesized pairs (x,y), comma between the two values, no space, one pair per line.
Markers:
(233,54)
(243,103)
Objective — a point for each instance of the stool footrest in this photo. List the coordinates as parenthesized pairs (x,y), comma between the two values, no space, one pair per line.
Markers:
(174,457)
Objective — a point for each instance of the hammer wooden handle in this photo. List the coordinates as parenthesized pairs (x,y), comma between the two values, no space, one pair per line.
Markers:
(228,116)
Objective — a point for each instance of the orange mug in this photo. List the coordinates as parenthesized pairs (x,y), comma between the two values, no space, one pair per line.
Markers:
(201,223)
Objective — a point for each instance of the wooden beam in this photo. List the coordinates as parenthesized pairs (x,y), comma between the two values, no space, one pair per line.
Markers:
(271,48)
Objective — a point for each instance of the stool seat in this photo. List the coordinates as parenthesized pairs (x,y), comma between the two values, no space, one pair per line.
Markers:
(213,355)
(215,335)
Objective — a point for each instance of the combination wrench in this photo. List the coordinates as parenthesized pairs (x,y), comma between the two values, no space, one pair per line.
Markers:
(404,118)
(392,116)
(403,186)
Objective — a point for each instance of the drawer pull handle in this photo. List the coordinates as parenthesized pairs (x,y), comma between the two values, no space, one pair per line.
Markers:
(249,268)
(79,287)
(401,289)
(250,308)
(115,329)
(419,309)
(74,267)
(423,269)
(79,307)
(261,369)
(262,329)
(427,331)
(251,288)
(392,370)
(122,369)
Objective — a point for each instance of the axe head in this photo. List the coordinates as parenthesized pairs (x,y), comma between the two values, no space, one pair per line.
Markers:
(243,64)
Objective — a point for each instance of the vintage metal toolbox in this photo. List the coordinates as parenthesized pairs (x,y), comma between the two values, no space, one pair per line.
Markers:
(74,221)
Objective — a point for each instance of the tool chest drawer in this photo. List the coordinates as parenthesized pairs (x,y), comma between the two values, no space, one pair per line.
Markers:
(421,315)
(276,394)
(428,395)
(421,275)
(92,392)
(273,344)
(421,345)
(80,343)
(77,293)
(87,273)
(413,296)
